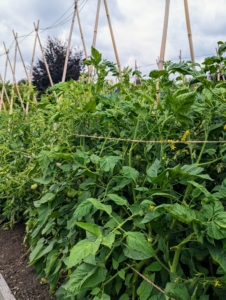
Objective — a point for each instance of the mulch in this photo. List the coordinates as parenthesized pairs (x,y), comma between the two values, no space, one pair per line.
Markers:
(20,278)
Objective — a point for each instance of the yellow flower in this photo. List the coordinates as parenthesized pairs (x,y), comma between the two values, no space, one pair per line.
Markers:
(173,147)
(151,207)
(187,132)
(170,141)
(185,151)
(217,283)
(224,127)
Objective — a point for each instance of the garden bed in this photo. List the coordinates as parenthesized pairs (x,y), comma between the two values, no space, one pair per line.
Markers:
(20,278)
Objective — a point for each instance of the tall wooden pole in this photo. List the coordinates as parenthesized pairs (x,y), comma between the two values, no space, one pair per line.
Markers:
(164,35)
(15,55)
(44,58)
(14,78)
(69,41)
(33,53)
(189,30)
(95,34)
(112,36)
(21,57)
(82,37)
(96,24)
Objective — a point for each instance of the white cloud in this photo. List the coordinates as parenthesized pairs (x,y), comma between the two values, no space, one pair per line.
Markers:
(137,27)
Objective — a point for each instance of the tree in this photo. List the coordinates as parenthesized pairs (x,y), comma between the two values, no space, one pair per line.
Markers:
(55,53)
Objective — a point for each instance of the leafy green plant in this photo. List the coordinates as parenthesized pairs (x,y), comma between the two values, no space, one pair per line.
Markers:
(124,198)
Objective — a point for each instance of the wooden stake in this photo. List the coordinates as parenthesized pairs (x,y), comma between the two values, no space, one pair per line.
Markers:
(21,57)
(96,24)
(112,36)
(43,55)
(164,35)
(82,37)
(15,56)
(69,41)
(180,56)
(3,84)
(33,54)
(14,78)
(95,34)
(189,30)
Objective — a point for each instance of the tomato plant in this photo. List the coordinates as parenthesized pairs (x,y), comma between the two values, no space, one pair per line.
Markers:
(123,195)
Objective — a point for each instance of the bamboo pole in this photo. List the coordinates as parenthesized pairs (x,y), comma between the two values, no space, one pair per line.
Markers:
(180,56)
(164,35)
(3,82)
(95,34)
(112,36)
(34,48)
(2,104)
(21,57)
(81,32)
(96,24)
(189,30)
(69,41)
(14,78)
(15,56)
(43,55)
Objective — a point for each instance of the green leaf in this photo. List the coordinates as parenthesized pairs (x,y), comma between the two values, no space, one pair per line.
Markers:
(182,103)
(91,228)
(201,188)
(108,163)
(46,198)
(215,232)
(52,257)
(82,210)
(137,241)
(154,169)
(124,297)
(40,245)
(157,74)
(83,249)
(217,252)
(84,276)
(108,240)
(98,205)
(118,200)
(133,254)
(177,291)
(222,49)
(154,267)
(220,220)
(130,173)
(122,273)
(43,180)
(145,288)
(183,213)
(96,55)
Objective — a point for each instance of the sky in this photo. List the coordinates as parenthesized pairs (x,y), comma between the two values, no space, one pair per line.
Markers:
(137,27)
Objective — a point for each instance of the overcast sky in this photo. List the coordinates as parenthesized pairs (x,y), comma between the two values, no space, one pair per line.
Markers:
(137,27)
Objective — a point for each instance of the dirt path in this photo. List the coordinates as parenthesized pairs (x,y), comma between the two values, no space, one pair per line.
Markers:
(13,266)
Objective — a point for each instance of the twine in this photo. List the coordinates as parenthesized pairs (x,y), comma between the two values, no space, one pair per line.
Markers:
(150,141)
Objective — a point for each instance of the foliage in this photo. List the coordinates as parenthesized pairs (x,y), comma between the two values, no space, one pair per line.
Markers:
(55,53)
(98,208)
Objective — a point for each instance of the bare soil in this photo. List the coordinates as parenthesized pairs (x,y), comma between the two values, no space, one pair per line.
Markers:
(20,278)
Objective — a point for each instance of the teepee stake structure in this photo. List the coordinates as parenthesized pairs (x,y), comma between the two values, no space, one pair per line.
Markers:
(165,29)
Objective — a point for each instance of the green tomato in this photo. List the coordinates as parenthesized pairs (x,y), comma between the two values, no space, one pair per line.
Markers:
(34,186)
